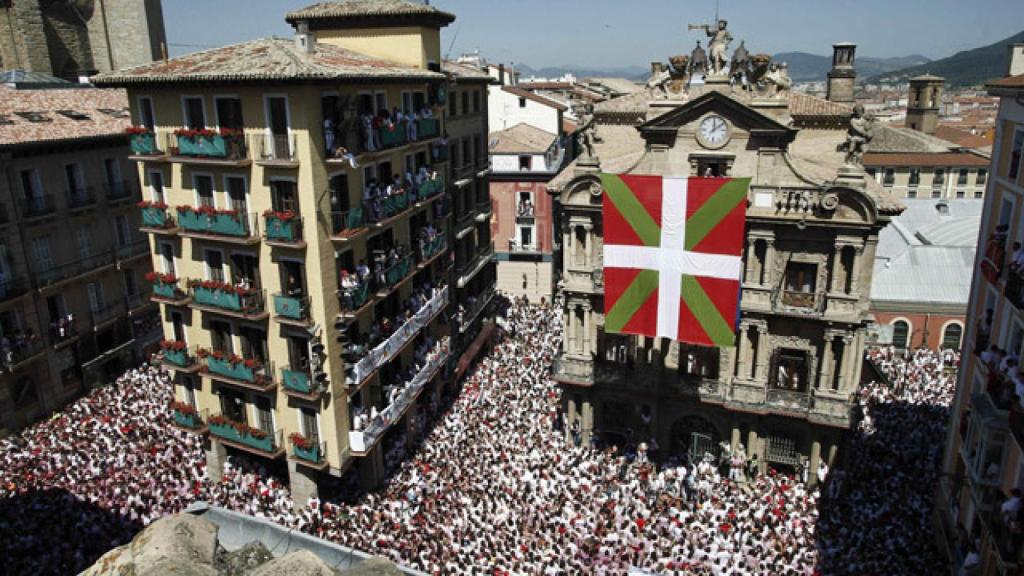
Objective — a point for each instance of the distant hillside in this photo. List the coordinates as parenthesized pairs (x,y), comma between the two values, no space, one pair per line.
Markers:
(968,68)
(637,73)
(804,67)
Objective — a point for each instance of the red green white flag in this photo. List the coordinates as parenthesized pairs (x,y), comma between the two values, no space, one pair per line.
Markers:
(672,256)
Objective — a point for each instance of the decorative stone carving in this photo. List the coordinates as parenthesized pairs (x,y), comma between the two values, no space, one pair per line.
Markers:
(718,43)
(777,79)
(860,133)
(587,132)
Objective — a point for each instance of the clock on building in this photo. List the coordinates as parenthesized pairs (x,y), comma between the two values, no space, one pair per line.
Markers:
(713,132)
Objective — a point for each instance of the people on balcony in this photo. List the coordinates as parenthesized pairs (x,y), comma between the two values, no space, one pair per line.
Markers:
(63,326)
(17,345)
(1017,259)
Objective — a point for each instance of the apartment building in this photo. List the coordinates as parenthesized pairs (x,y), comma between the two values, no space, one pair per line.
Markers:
(915,162)
(299,205)
(74,305)
(984,460)
(524,158)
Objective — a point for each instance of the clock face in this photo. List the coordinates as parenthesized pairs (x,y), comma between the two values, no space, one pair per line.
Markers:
(714,131)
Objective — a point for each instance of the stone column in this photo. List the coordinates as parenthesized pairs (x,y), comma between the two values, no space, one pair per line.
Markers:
(824,382)
(303,484)
(371,468)
(742,362)
(752,447)
(762,353)
(587,424)
(568,240)
(837,267)
(858,251)
(587,333)
(769,262)
(846,368)
(748,270)
(812,474)
(735,440)
(588,254)
(216,454)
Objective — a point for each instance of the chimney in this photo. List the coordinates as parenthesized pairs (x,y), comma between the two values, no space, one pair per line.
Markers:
(501,74)
(304,41)
(943,207)
(924,103)
(1016,65)
(842,76)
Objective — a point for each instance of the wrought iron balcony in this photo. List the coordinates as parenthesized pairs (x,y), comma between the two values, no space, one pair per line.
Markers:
(249,304)
(156,220)
(346,225)
(229,225)
(35,207)
(207,145)
(120,190)
(181,359)
(145,144)
(13,288)
(190,419)
(354,298)
(291,309)
(247,438)
(246,373)
(788,400)
(81,198)
(93,263)
(283,229)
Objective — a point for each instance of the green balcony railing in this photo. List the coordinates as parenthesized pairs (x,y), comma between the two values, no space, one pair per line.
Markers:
(286,231)
(192,421)
(432,248)
(428,128)
(431,188)
(217,298)
(167,291)
(291,308)
(314,454)
(345,223)
(144,144)
(397,272)
(393,137)
(296,381)
(353,299)
(385,208)
(153,217)
(236,225)
(215,146)
(269,443)
(179,358)
(232,370)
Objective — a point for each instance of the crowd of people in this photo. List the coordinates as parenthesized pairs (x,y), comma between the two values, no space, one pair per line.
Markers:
(498,485)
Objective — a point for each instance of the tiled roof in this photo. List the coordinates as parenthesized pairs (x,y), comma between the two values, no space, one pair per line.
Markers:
(620,85)
(535,97)
(1014,82)
(545,85)
(16,130)
(801,104)
(521,139)
(925,159)
(900,139)
(342,9)
(265,59)
(464,72)
(962,138)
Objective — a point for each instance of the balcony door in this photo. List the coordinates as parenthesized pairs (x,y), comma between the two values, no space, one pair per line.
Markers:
(220,336)
(292,279)
(203,184)
(310,427)
(277,125)
(147,117)
(156,185)
(283,196)
(84,240)
(245,269)
(229,113)
(195,112)
(254,343)
(232,405)
(265,415)
(112,169)
(32,186)
(237,199)
(298,353)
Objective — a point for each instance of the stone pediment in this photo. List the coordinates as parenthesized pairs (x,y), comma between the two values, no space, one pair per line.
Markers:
(663,128)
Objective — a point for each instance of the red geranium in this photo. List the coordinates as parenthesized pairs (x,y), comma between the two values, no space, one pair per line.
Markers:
(134,130)
(182,408)
(149,204)
(194,133)
(202,352)
(252,363)
(255,433)
(220,420)
(300,441)
(284,216)
(208,210)
(230,133)
(159,278)
(173,345)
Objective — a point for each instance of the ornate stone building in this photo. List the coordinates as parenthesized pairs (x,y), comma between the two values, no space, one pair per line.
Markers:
(786,390)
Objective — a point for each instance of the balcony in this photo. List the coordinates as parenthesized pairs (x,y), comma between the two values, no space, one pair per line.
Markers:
(144,144)
(85,266)
(220,298)
(165,289)
(430,188)
(383,209)
(1007,539)
(24,351)
(291,310)
(156,220)
(390,348)
(347,225)
(134,251)
(431,249)
(788,400)
(35,208)
(226,148)
(246,438)
(177,356)
(119,191)
(135,302)
(298,384)
(354,298)
(1014,291)
(396,274)
(573,371)
(246,373)
(188,418)
(107,312)
(81,198)
(524,211)
(469,269)
(283,229)
(310,454)
(467,316)
(13,288)
(224,225)
(427,128)
(798,302)
(276,150)
(362,441)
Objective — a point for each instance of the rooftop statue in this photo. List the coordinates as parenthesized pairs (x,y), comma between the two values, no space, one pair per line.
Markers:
(718,44)
(587,131)
(858,136)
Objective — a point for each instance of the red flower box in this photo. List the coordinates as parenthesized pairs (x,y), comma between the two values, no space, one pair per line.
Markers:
(284,216)
(172,345)
(157,277)
(149,204)
(301,441)
(135,130)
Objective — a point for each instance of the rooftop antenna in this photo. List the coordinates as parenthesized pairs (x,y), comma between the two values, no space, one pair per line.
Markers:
(455,36)
(716,11)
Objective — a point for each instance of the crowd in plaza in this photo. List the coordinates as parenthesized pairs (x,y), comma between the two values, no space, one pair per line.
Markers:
(499,485)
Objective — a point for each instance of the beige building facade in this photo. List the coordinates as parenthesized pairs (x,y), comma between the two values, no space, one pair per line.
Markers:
(284,346)
(785,392)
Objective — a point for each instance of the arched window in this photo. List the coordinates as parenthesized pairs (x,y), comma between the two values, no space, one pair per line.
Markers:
(951,336)
(900,334)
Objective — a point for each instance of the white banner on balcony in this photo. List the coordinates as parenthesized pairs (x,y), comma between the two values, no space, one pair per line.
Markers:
(387,350)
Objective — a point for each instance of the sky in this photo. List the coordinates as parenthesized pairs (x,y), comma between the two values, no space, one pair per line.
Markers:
(622,33)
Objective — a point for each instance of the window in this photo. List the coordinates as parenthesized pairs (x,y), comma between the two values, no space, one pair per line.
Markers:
(465,102)
(381,101)
(232,405)
(203,185)
(915,177)
(936,192)
(167,257)
(195,112)
(525,162)
(890,177)
(939,177)
(73,114)
(526,237)
(95,291)
(24,392)
(452,105)
(264,415)
(961,178)
(1015,152)
(214,265)
(41,254)
(113,172)
(801,277)
(522,102)
(466,158)
(131,288)
(236,194)
(310,429)
(188,384)
(229,112)
(283,196)
(476,101)
(982,177)
(84,241)
(979,193)
(74,178)
(123,230)
(951,336)
(912,193)
(960,194)
(156,185)
(147,117)
(900,334)
(407,102)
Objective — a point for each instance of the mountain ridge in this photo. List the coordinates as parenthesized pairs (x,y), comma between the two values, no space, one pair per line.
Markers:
(965,68)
